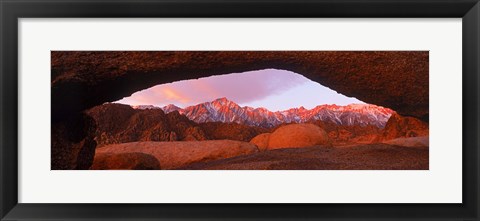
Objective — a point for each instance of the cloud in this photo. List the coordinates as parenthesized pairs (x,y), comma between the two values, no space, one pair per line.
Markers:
(244,87)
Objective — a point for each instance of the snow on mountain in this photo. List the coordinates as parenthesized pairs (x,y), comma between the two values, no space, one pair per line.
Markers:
(145,107)
(224,110)
(170,108)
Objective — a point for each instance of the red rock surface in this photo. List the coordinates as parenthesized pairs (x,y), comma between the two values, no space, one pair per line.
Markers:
(410,141)
(297,136)
(359,157)
(349,134)
(261,141)
(118,123)
(125,161)
(177,154)
(400,126)
(230,131)
(339,134)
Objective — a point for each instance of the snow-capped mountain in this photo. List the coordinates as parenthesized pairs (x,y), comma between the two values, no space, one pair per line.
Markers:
(224,110)
(170,108)
(145,107)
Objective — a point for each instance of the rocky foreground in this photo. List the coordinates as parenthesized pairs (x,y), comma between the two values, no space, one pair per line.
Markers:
(290,147)
(172,155)
(361,157)
(234,155)
(151,139)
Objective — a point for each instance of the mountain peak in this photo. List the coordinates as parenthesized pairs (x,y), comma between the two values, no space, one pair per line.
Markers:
(170,108)
(223,99)
(172,105)
(144,107)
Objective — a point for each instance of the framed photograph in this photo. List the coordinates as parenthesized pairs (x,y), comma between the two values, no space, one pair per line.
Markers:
(254,110)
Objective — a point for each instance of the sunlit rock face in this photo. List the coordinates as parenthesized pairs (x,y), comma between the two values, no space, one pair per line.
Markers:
(298,136)
(82,80)
(176,154)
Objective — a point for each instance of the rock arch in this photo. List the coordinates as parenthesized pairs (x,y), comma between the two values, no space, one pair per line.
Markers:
(84,79)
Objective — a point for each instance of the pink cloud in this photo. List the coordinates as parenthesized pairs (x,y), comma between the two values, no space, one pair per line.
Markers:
(239,87)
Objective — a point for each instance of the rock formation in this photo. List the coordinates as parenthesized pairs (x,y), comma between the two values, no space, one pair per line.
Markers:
(83,79)
(125,161)
(261,141)
(349,134)
(172,155)
(118,123)
(73,143)
(231,131)
(298,135)
(400,126)
(410,141)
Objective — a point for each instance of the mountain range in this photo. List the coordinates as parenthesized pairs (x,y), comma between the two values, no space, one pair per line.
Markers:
(224,110)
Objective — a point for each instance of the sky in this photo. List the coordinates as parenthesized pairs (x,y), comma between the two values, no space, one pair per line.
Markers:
(270,88)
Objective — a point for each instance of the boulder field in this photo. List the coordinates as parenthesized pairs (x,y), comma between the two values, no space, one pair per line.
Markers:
(399,130)
(400,135)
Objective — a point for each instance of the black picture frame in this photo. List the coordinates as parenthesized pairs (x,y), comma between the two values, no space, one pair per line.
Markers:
(11,10)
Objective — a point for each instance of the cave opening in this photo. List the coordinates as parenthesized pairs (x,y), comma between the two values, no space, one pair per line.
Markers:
(266,98)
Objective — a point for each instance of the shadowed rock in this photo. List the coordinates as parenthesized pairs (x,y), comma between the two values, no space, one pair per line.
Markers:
(400,126)
(231,131)
(73,143)
(125,161)
(118,123)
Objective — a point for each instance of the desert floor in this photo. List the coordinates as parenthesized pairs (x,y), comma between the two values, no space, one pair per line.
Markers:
(236,155)
(361,157)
